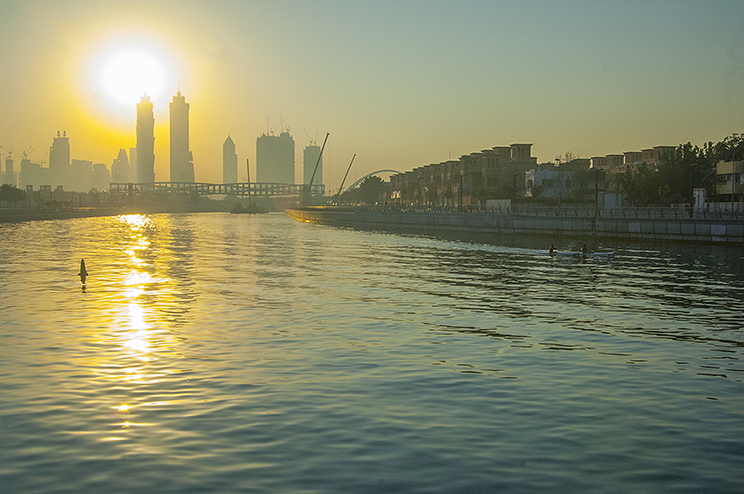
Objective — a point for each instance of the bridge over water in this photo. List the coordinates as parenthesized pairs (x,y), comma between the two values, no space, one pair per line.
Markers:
(255,189)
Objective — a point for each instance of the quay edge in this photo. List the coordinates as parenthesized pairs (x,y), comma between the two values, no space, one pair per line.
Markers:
(722,231)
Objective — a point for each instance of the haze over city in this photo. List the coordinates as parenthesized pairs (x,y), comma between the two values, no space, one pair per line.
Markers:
(399,84)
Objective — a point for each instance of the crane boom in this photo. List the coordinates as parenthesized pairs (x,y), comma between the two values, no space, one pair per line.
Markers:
(344,180)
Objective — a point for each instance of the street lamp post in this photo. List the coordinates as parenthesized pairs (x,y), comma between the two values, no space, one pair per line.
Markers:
(733,168)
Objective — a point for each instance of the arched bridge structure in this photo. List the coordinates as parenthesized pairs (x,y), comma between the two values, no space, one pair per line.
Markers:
(255,189)
(370,175)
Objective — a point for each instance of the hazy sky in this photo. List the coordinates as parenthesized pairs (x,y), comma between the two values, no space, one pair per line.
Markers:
(400,83)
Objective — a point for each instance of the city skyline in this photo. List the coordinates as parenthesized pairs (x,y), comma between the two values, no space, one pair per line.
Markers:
(400,85)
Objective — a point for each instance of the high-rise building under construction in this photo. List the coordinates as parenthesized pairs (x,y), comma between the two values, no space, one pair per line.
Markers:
(275,158)
(309,159)
(59,161)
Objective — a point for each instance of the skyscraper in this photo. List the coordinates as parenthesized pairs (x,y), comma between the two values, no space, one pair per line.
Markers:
(59,161)
(181,165)
(120,168)
(133,164)
(309,159)
(145,141)
(10,176)
(275,158)
(229,162)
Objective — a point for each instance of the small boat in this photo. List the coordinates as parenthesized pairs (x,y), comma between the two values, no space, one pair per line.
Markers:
(250,209)
(582,254)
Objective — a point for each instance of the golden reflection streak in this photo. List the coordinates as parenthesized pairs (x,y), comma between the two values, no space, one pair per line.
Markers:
(139,323)
(135,285)
(135,221)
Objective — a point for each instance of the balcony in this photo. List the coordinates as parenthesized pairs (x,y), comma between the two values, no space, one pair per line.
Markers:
(726,189)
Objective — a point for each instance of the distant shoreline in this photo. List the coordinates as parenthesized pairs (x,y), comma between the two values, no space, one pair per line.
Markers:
(20,215)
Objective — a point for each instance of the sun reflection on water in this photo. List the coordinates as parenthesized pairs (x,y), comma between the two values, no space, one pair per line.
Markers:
(144,299)
(138,318)
(135,221)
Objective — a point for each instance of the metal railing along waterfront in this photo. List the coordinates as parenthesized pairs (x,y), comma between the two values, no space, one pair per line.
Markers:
(735,211)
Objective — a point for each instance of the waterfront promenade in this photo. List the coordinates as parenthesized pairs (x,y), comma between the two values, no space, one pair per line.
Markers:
(643,224)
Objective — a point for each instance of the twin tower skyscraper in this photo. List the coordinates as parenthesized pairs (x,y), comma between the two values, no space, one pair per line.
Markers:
(181,159)
(275,162)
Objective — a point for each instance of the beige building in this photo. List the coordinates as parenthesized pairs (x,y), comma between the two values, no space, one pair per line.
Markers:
(632,158)
(731,174)
(495,173)
(653,155)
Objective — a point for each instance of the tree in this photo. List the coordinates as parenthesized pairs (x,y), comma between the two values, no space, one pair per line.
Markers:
(11,193)
(730,148)
(673,179)
(370,191)
(568,157)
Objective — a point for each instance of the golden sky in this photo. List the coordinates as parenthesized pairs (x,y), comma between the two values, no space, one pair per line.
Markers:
(399,83)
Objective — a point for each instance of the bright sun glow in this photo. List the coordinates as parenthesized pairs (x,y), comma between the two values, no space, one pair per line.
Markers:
(131,72)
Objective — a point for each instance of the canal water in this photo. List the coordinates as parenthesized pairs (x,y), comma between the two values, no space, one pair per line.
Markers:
(238,353)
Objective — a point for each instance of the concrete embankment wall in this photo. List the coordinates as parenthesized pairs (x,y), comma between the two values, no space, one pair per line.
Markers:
(18,215)
(693,230)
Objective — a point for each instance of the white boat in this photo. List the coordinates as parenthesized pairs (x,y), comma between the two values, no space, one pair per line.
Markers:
(581,254)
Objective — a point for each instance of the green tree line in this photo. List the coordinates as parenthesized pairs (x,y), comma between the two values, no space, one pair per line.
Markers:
(10,194)
(372,190)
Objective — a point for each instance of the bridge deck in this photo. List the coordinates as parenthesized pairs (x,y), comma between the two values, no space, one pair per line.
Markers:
(238,189)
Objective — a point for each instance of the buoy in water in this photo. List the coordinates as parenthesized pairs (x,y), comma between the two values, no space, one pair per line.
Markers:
(83,273)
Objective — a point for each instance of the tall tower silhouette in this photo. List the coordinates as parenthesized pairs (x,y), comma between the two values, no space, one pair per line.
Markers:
(145,141)
(59,161)
(120,168)
(181,165)
(229,162)
(10,176)
(275,158)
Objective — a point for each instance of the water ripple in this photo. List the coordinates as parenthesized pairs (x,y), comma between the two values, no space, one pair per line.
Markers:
(211,353)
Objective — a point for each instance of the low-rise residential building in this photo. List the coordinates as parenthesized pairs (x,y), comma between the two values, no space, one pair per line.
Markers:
(731,185)
(512,173)
(496,173)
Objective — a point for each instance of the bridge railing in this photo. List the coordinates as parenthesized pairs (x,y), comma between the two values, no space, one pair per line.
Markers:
(239,189)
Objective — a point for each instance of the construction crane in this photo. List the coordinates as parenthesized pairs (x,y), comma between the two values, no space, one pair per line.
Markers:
(335,199)
(26,152)
(10,153)
(307,189)
(312,141)
(282,125)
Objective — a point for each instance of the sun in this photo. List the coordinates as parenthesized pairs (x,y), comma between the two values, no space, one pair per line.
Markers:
(116,68)
(128,73)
